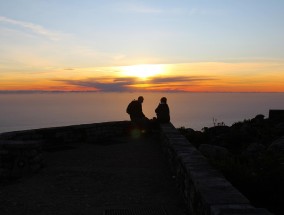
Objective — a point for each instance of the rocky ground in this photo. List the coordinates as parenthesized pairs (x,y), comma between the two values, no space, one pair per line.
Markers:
(250,154)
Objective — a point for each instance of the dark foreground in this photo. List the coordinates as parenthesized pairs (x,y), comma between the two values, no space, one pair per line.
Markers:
(121,176)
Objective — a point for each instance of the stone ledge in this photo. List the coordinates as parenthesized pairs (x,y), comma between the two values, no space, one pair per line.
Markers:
(21,151)
(69,135)
(205,190)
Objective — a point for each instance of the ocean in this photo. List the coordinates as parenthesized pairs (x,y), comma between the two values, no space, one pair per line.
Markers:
(22,111)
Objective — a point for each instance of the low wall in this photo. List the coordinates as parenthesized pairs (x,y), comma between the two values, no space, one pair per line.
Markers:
(72,135)
(204,189)
(21,151)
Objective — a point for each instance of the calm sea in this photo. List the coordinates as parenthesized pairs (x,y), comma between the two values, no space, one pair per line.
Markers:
(191,110)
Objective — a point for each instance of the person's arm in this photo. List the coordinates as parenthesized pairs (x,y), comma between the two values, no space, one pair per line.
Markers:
(157,109)
(168,109)
(140,110)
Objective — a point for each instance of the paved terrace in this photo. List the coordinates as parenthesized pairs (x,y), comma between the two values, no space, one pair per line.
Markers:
(117,175)
(101,169)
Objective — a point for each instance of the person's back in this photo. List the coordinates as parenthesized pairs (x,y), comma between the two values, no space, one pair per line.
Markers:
(163,111)
(134,109)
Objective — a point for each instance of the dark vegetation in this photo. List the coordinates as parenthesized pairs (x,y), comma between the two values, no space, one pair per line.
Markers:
(250,154)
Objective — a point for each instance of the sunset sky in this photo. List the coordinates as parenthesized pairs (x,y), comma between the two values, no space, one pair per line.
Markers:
(150,45)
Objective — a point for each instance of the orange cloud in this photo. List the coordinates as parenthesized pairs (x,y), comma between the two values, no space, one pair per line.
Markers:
(193,77)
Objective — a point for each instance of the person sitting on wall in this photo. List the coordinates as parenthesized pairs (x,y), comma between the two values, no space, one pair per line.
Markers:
(163,111)
(134,109)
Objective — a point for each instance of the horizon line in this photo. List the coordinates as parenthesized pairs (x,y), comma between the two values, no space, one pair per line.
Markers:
(141,91)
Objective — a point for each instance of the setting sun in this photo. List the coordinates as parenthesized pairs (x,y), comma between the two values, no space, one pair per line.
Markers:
(143,70)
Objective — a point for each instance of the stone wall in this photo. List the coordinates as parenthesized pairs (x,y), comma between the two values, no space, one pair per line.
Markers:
(204,189)
(21,151)
(72,135)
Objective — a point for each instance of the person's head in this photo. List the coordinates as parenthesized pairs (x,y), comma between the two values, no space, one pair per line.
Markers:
(163,100)
(140,99)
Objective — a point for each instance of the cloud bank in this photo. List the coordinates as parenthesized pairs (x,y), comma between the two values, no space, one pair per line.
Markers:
(175,84)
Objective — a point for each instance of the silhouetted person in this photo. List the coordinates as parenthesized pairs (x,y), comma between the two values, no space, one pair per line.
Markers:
(134,109)
(163,111)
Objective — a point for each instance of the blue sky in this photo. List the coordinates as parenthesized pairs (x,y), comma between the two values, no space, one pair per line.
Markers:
(45,35)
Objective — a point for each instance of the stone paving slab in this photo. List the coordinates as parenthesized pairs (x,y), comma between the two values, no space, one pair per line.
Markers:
(98,178)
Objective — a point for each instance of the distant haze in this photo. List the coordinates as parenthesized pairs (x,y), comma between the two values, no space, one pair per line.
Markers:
(194,110)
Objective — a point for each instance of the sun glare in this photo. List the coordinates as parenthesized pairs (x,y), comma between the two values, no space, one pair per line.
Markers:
(143,70)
